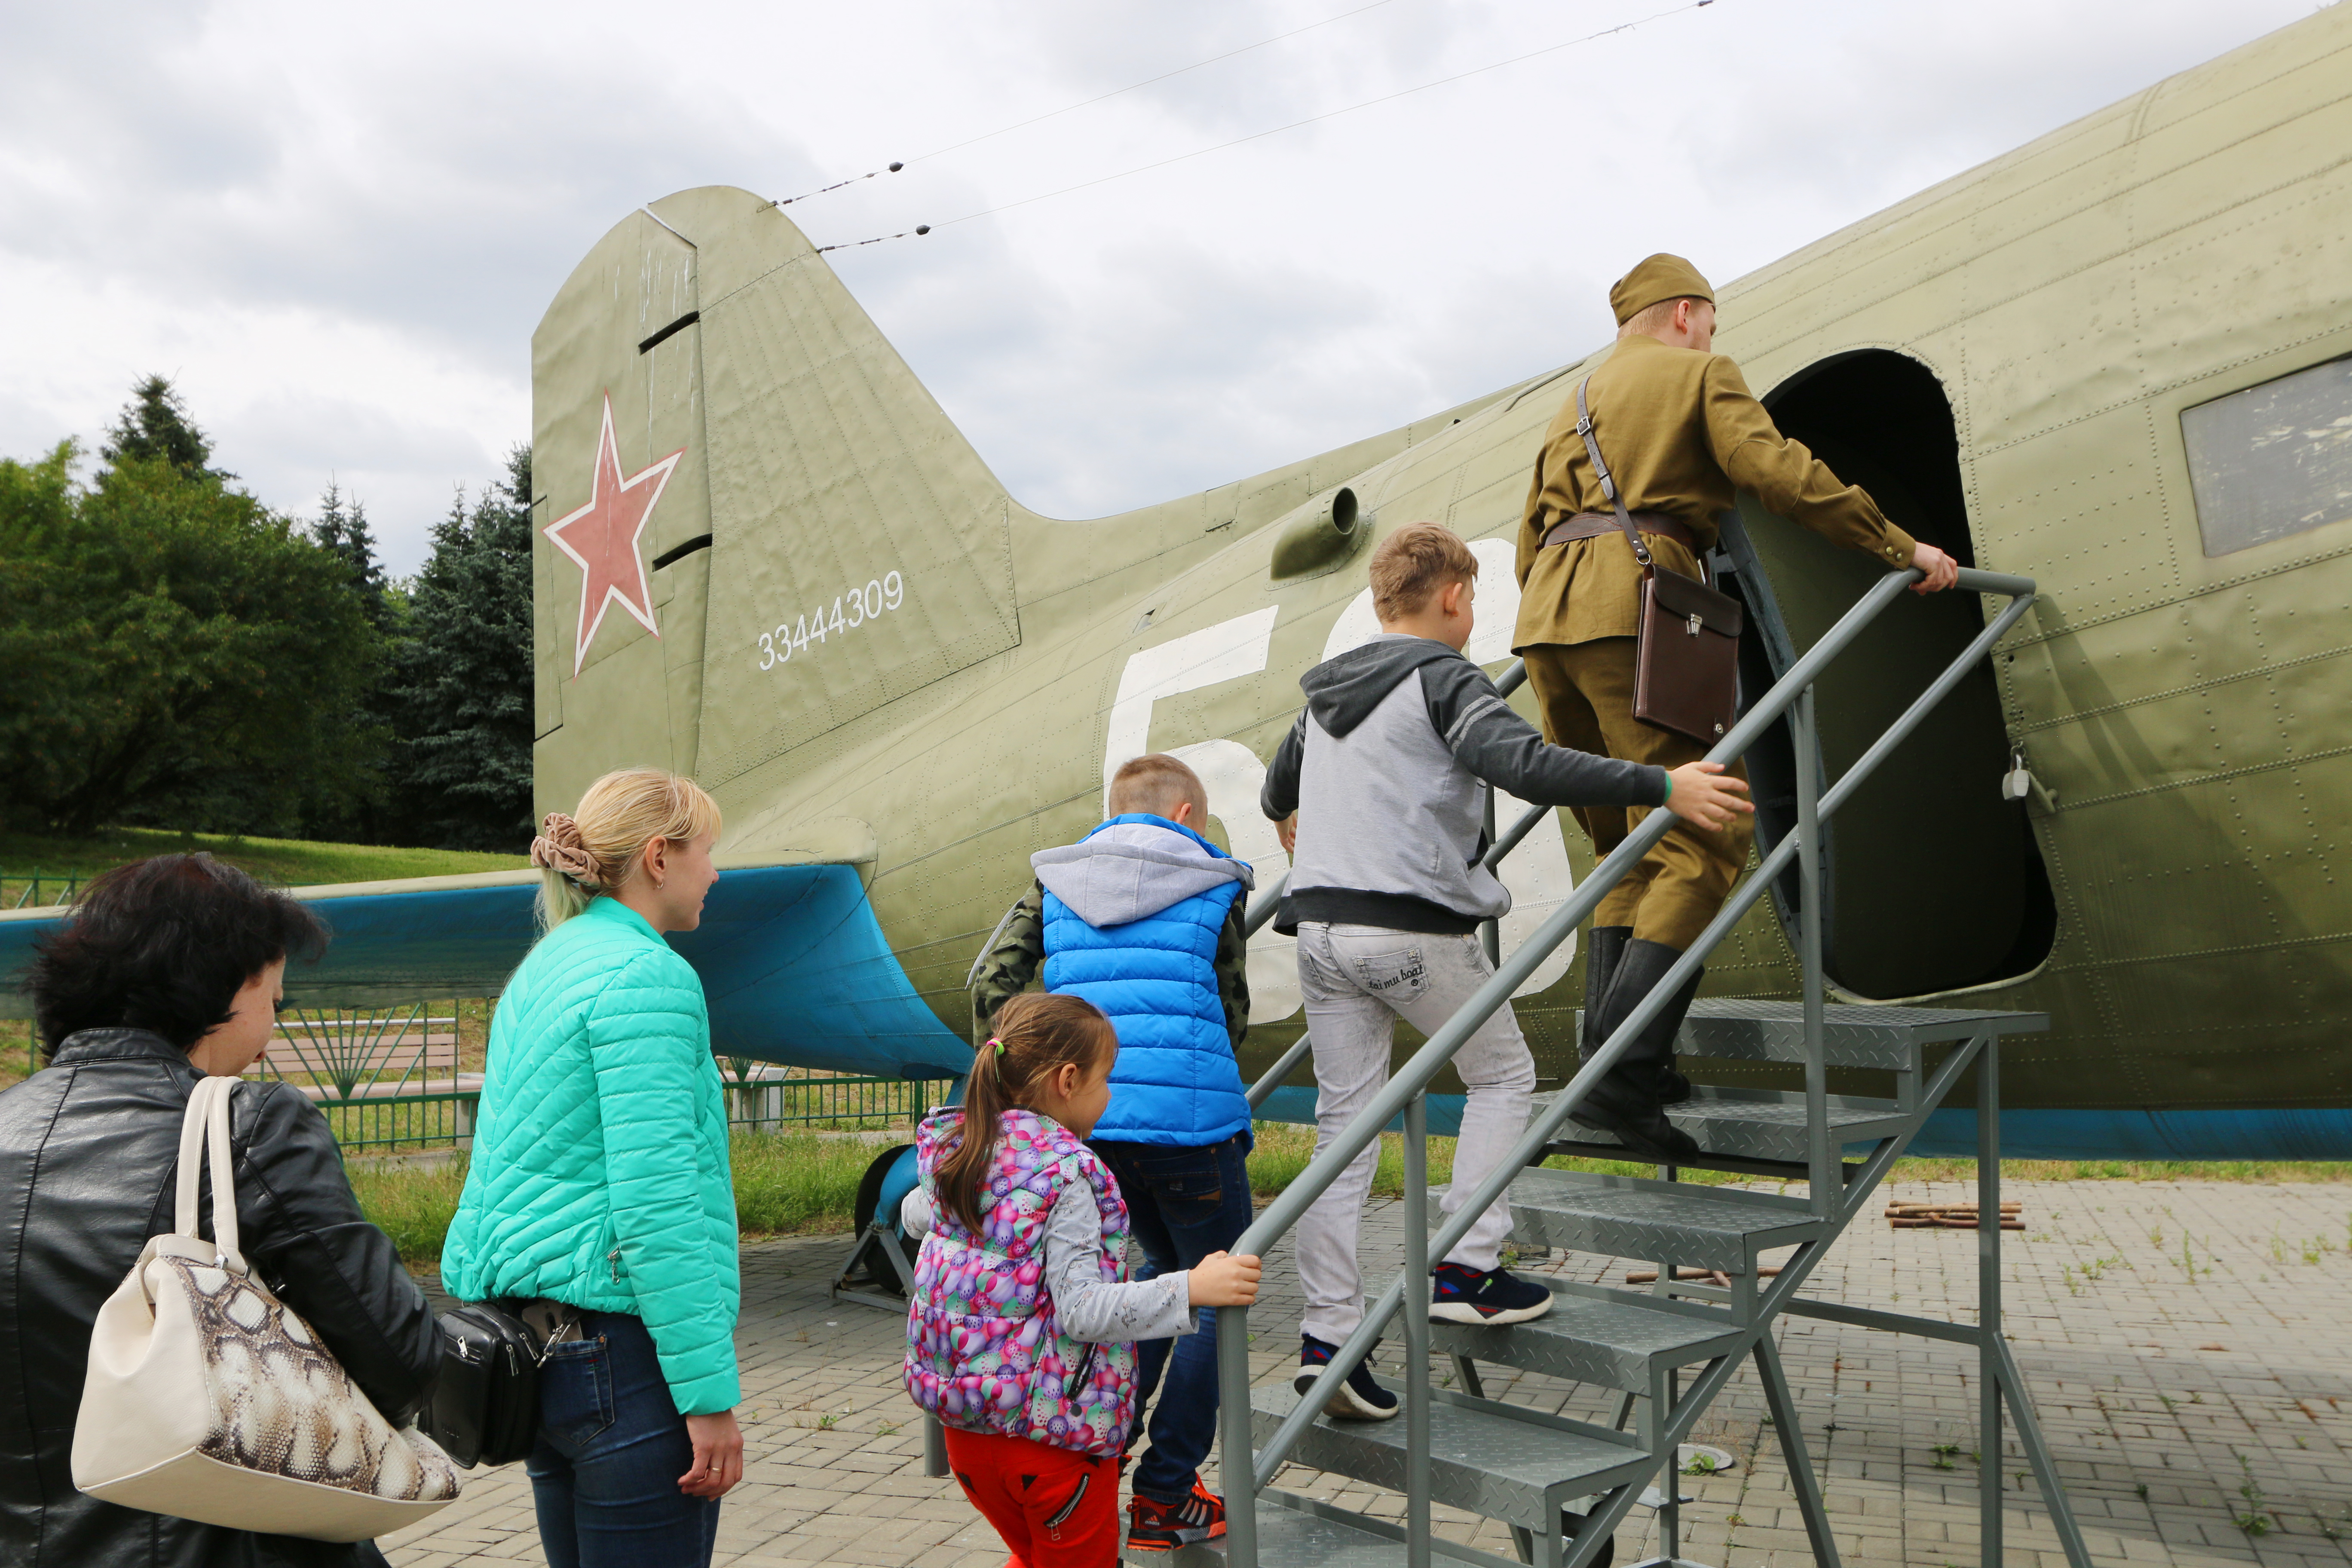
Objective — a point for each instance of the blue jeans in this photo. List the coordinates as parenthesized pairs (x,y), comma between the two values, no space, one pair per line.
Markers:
(1182,1204)
(612,1447)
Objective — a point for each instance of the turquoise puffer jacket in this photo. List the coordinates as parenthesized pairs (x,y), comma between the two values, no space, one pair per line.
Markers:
(600,1173)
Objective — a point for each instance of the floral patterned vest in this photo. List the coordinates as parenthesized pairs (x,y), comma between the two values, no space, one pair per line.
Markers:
(983,1350)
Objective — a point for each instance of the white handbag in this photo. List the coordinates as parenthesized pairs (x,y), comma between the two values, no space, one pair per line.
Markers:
(207,1400)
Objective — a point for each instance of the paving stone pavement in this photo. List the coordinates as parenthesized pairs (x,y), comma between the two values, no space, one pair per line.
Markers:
(2183,1342)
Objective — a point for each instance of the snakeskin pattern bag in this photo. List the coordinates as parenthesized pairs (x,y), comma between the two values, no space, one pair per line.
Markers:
(207,1399)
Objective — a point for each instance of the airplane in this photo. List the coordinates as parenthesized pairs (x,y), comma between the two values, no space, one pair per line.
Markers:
(2117,359)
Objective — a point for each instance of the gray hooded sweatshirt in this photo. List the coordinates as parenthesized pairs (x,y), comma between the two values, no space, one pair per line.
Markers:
(1388,768)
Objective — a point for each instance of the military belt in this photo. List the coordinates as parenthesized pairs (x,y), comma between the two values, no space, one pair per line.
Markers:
(1593,524)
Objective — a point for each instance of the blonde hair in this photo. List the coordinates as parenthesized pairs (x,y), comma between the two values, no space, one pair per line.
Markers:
(1652,319)
(1414,564)
(596,848)
(1158,784)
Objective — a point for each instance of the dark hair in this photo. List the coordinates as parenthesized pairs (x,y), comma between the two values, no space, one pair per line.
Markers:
(163,944)
(1036,1035)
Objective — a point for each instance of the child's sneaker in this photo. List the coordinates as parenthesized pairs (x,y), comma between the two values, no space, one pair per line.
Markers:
(1360,1399)
(1488,1296)
(1154,1526)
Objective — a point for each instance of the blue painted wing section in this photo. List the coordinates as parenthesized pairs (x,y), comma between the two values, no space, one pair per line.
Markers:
(794,966)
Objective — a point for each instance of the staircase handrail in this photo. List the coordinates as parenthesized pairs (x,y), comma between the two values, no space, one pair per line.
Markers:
(1405,1086)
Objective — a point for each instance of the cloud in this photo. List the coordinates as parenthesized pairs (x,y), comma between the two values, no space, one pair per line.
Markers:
(337,228)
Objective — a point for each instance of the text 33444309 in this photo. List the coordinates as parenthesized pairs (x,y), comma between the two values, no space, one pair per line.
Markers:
(848,611)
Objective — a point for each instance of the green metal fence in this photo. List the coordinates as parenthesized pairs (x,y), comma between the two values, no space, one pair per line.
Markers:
(40,889)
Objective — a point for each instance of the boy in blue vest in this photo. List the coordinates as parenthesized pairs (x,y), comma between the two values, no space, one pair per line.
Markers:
(1143,917)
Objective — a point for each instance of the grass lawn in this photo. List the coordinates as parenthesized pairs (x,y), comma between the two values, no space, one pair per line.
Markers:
(293,861)
(790,1183)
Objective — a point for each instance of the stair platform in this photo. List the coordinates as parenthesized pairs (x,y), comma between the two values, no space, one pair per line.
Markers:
(1505,1461)
(1598,1338)
(1761,1124)
(1888,1037)
(1620,1216)
(1287,1538)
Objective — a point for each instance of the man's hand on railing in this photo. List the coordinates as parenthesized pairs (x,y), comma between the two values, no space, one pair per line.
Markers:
(1287,831)
(1941,569)
(1222,1280)
(1704,795)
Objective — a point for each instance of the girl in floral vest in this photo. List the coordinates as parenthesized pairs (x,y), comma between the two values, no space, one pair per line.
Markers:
(1021,1335)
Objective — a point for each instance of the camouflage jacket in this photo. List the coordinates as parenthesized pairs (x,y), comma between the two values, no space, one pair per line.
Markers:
(1016,951)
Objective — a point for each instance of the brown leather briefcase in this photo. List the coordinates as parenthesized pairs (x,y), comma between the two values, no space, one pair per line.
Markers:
(1687,663)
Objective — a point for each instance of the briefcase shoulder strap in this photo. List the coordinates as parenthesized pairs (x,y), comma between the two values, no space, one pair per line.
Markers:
(1608,483)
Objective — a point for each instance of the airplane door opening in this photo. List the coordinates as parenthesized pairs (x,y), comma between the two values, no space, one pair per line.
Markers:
(1932,882)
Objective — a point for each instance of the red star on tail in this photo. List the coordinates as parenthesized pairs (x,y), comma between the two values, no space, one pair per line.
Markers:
(603,538)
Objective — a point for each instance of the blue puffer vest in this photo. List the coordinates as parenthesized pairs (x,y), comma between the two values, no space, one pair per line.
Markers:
(1133,912)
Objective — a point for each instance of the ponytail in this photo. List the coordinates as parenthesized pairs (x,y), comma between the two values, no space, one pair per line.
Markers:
(1035,1035)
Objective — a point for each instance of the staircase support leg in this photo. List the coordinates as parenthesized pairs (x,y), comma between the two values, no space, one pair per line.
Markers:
(1236,1457)
(1802,1480)
(2045,1472)
(1417,1333)
(1989,1547)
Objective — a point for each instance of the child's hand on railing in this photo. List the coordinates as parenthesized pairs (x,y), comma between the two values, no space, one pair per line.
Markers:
(1222,1280)
(1703,794)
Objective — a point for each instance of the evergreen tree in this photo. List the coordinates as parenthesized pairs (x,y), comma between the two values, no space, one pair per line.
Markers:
(155,427)
(347,534)
(461,691)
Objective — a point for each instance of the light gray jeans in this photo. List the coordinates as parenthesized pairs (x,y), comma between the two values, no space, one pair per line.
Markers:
(1356,982)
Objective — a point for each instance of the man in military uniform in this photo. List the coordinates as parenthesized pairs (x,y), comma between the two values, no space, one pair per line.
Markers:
(1680,432)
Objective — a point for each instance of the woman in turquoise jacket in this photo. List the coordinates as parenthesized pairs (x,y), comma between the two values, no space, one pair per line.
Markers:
(599,1204)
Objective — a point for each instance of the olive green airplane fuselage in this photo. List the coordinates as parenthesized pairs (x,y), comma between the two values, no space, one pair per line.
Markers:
(2112,361)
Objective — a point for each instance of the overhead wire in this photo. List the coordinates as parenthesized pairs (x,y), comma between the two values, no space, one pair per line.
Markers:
(1333,113)
(1273,130)
(1072,108)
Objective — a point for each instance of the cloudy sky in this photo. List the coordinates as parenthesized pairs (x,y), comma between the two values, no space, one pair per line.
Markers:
(335,227)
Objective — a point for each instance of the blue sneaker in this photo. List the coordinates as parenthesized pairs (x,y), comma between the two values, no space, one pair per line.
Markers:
(1360,1399)
(1488,1296)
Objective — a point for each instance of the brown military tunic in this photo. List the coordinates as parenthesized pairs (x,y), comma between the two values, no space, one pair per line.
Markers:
(1681,432)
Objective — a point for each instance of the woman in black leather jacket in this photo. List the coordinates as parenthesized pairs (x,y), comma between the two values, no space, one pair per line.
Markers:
(169,970)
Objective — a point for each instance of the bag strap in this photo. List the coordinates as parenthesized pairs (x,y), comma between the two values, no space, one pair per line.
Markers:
(1608,484)
(207,1122)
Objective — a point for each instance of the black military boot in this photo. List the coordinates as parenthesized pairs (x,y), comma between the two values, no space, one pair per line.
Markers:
(1626,1102)
(1601,951)
(1673,1086)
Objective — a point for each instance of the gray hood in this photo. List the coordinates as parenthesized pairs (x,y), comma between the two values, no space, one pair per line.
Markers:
(1342,691)
(1132,869)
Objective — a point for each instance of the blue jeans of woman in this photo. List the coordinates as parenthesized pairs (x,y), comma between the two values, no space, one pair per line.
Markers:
(612,1447)
(1182,1205)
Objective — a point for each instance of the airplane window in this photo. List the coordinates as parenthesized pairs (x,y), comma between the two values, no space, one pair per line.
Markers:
(2273,459)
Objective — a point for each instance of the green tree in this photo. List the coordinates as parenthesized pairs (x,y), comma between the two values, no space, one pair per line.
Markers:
(344,531)
(155,427)
(461,691)
(177,653)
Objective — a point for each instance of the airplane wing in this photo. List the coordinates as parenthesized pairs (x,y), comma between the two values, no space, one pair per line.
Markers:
(792,962)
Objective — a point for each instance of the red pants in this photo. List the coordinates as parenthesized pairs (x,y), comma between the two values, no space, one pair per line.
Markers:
(1054,1508)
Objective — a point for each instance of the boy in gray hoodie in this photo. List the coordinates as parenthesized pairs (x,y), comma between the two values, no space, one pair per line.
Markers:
(1381,790)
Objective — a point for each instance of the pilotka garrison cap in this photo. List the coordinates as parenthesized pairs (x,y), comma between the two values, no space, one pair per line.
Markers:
(1661,277)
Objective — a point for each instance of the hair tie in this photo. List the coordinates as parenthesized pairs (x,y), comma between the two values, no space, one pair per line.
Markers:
(560,847)
(1000,1049)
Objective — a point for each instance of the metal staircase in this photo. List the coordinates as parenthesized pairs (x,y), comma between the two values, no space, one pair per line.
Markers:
(1562,1484)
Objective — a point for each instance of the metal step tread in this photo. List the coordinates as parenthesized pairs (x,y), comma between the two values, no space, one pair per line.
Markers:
(1613,1343)
(1618,1218)
(1851,1035)
(1287,1538)
(1758,1128)
(1506,1462)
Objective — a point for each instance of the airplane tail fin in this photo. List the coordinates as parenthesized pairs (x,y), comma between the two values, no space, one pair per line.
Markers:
(835,541)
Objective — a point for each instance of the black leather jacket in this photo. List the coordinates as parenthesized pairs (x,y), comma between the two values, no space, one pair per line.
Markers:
(88,1158)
